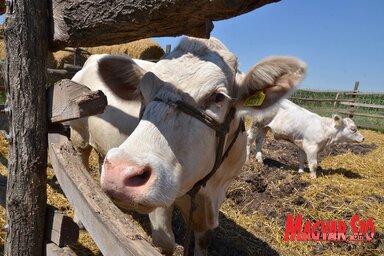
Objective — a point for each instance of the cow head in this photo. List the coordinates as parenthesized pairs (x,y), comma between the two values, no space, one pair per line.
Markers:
(346,130)
(169,151)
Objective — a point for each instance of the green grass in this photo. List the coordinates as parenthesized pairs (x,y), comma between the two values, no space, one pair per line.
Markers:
(377,99)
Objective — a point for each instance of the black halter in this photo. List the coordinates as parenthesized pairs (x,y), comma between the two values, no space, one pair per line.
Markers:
(221,130)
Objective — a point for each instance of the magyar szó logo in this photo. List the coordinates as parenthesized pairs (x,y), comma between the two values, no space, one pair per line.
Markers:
(334,230)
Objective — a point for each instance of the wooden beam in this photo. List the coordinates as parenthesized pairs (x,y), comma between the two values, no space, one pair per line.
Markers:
(361,114)
(366,93)
(68,100)
(52,249)
(104,22)
(26,39)
(319,100)
(60,229)
(111,230)
(362,105)
(355,90)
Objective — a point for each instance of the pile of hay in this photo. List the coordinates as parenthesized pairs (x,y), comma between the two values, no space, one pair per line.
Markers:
(146,49)
(350,182)
(252,218)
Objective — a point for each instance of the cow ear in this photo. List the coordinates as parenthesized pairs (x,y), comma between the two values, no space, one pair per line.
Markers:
(338,120)
(121,74)
(269,81)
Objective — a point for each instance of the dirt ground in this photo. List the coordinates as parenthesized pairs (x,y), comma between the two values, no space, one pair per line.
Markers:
(252,218)
(274,190)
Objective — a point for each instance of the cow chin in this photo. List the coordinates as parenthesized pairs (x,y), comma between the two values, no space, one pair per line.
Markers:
(142,203)
(138,207)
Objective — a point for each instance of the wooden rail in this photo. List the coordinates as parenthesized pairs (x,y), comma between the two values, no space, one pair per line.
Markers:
(112,230)
(321,100)
(349,105)
(364,105)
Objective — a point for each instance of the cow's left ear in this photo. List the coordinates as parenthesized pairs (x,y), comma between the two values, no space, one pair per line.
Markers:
(269,81)
(121,74)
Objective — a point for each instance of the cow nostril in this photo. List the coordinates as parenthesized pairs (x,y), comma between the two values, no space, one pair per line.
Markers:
(139,178)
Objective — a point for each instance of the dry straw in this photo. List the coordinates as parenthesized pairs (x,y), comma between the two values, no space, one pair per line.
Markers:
(333,196)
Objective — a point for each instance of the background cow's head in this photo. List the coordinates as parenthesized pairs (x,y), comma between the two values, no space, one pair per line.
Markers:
(346,130)
(170,151)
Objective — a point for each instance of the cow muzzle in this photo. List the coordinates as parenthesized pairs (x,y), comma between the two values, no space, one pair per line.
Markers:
(127,183)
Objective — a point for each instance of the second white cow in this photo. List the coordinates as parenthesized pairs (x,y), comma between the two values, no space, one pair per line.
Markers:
(307,130)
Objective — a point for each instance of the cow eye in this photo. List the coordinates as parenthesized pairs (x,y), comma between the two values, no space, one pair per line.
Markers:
(353,129)
(218,97)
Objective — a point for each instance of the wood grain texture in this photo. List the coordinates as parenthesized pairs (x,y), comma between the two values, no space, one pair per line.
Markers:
(68,100)
(26,38)
(105,22)
(52,249)
(60,229)
(111,229)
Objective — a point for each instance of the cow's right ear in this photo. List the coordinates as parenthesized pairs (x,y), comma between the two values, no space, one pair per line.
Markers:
(338,120)
(121,74)
(269,81)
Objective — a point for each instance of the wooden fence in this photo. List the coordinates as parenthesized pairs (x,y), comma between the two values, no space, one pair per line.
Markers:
(352,104)
(32,29)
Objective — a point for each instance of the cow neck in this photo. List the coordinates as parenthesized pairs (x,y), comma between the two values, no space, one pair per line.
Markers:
(221,130)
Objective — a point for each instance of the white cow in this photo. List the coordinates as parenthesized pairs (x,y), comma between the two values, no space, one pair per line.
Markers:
(307,130)
(187,96)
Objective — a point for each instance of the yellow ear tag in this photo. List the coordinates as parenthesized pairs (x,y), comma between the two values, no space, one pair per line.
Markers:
(338,122)
(255,100)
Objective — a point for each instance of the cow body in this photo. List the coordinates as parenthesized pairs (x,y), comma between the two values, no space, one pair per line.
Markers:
(104,131)
(169,151)
(307,130)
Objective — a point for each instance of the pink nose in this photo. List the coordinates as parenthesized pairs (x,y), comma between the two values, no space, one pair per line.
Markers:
(124,181)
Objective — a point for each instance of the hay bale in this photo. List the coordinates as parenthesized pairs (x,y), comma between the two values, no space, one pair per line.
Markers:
(146,49)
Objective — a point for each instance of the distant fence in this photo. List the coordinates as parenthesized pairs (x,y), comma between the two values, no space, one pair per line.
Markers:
(366,109)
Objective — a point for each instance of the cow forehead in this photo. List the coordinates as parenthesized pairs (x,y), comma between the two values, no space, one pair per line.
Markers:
(350,122)
(193,76)
(198,67)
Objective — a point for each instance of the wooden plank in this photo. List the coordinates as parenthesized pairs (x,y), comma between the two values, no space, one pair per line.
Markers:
(366,93)
(364,105)
(68,100)
(319,100)
(111,230)
(100,22)
(361,114)
(355,90)
(71,67)
(61,72)
(371,126)
(335,101)
(60,229)
(52,249)
(26,33)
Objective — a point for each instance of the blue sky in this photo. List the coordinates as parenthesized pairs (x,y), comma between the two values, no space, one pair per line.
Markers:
(341,40)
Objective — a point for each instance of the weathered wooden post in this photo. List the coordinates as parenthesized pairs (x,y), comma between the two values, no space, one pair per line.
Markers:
(355,91)
(26,37)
